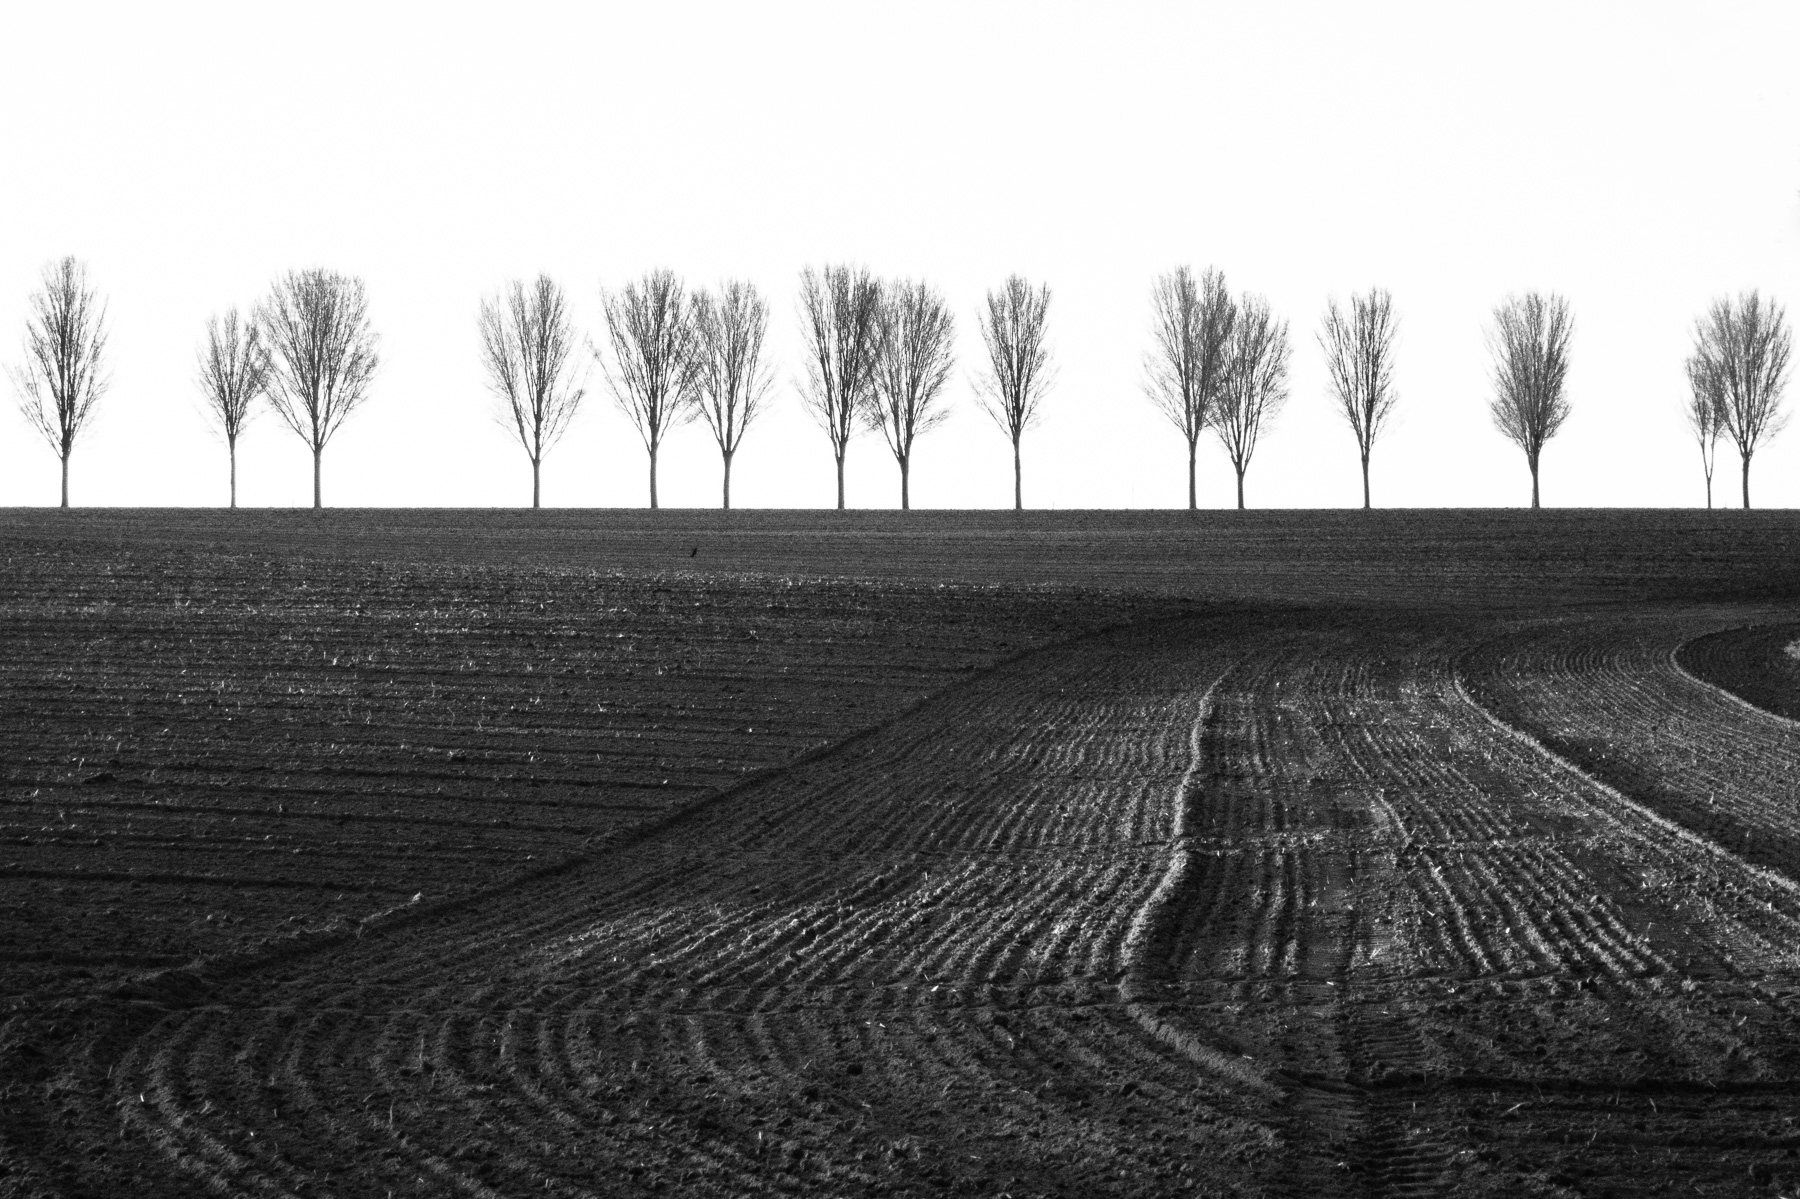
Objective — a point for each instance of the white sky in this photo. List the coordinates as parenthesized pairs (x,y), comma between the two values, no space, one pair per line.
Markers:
(1639,158)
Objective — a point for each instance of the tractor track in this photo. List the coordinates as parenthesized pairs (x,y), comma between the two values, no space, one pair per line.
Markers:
(1277,905)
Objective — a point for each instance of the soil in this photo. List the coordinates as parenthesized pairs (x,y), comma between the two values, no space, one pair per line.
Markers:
(1029,891)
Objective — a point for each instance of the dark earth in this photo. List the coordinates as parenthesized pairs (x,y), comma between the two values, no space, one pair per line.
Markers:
(618,853)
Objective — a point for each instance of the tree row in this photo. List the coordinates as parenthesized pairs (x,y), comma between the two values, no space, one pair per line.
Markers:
(879,357)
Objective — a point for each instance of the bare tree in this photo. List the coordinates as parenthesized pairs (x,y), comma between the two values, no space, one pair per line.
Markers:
(1704,417)
(1530,343)
(64,372)
(322,350)
(912,366)
(730,379)
(1255,385)
(840,312)
(652,349)
(527,341)
(1359,354)
(1187,365)
(1014,332)
(233,373)
(1743,348)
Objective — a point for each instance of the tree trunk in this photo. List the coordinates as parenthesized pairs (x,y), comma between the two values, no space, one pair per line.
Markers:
(727,456)
(1240,475)
(1534,480)
(65,473)
(1746,480)
(1018,480)
(1709,492)
(840,468)
(318,452)
(653,476)
(1365,462)
(905,495)
(231,449)
(1193,499)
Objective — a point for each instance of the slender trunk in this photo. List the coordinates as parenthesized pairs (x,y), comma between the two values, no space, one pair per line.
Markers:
(905,491)
(318,452)
(1534,480)
(534,483)
(65,473)
(840,468)
(231,449)
(1746,480)
(1709,492)
(1365,462)
(1018,479)
(653,476)
(1240,475)
(1193,499)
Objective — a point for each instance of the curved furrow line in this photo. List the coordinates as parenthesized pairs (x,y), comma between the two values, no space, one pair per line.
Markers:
(179,1127)
(744,943)
(1609,695)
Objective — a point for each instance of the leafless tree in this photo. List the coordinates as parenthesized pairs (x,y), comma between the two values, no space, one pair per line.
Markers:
(1359,354)
(1704,417)
(1255,385)
(730,379)
(1743,347)
(840,312)
(652,344)
(233,374)
(1530,344)
(1014,331)
(527,343)
(322,350)
(912,366)
(64,372)
(1187,366)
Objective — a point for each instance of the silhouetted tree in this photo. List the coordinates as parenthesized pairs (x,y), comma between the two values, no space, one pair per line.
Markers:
(1529,340)
(652,350)
(1014,331)
(911,368)
(234,372)
(1704,417)
(1359,354)
(527,343)
(840,313)
(322,351)
(1255,384)
(730,380)
(64,372)
(1187,366)
(1743,348)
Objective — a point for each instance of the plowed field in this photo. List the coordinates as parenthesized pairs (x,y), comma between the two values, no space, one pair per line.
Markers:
(1019,891)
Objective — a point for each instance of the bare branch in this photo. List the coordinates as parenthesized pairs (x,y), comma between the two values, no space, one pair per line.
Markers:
(652,351)
(64,372)
(730,379)
(1013,328)
(233,373)
(1255,384)
(1359,355)
(1742,350)
(1705,418)
(527,343)
(322,348)
(1186,365)
(840,314)
(1530,344)
(913,364)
